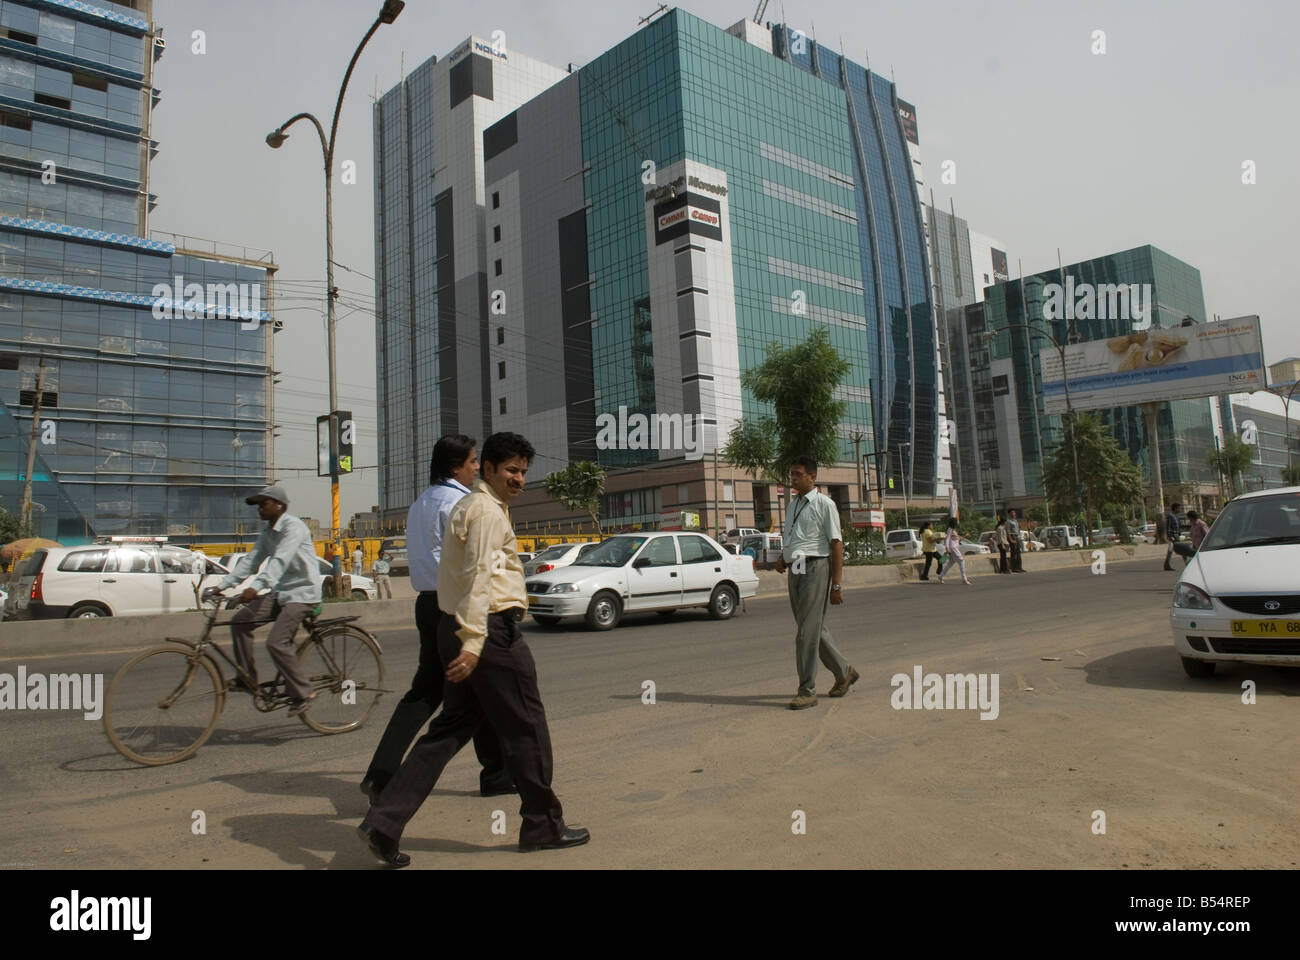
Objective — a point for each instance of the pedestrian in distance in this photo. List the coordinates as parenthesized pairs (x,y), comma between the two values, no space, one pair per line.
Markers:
(928,549)
(291,577)
(452,470)
(1001,543)
(1014,543)
(382,584)
(1197,530)
(490,671)
(358,558)
(813,549)
(1172,530)
(952,544)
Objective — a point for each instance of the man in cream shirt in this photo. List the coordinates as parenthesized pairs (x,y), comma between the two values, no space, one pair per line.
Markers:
(489,669)
(814,551)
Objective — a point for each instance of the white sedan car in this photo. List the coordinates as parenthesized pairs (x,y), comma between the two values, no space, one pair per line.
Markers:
(632,572)
(1238,599)
(559,555)
(363,588)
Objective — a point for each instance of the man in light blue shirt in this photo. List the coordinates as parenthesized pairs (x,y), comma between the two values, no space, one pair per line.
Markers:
(292,575)
(813,549)
(453,469)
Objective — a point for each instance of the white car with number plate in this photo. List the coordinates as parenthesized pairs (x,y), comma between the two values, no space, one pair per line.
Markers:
(632,572)
(1239,598)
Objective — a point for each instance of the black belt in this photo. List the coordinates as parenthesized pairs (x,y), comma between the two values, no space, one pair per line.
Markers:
(514,613)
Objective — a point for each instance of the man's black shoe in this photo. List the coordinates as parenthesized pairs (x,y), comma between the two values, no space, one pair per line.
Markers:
(372,789)
(381,846)
(571,837)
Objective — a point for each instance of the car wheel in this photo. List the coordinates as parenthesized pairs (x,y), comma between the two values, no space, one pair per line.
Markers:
(360,595)
(605,611)
(546,620)
(87,611)
(723,602)
(1198,668)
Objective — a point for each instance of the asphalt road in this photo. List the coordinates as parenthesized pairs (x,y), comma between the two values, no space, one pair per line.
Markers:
(1095,718)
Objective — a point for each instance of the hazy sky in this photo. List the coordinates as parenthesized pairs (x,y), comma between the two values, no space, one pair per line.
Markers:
(1054,146)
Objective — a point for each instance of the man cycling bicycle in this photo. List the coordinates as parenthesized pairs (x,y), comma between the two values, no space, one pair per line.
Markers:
(292,576)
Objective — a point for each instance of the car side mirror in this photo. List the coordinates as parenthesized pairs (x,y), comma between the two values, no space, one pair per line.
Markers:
(640,562)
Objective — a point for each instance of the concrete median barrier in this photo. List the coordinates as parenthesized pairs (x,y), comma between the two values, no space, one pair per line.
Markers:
(771,583)
(27,638)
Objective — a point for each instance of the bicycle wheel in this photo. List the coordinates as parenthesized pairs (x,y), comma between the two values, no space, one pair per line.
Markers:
(346,671)
(163,705)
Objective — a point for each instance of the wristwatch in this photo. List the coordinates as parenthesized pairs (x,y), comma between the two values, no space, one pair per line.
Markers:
(835,586)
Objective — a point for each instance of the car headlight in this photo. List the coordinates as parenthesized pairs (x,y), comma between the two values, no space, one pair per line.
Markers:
(564,588)
(1194,598)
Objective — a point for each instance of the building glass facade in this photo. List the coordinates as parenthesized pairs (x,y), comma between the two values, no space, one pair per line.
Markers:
(1185,426)
(156,398)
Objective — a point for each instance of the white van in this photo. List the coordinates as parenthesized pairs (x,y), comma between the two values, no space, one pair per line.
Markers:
(903,544)
(120,578)
(765,548)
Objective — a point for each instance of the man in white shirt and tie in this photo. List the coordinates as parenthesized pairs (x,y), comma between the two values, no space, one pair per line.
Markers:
(452,472)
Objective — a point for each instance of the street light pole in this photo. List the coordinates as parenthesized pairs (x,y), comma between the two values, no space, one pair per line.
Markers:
(1286,413)
(275,139)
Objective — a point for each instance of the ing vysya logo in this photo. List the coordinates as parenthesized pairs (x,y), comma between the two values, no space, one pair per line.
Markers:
(655,431)
(1106,301)
(192,301)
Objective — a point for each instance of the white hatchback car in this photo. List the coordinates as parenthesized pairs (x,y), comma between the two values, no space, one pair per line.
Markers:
(1238,599)
(632,572)
(115,579)
(363,588)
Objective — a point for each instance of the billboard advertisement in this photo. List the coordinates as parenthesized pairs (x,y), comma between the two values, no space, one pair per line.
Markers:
(907,114)
(1155,365)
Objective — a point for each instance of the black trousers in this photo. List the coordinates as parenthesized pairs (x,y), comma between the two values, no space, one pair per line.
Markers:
(422,701)
(1002,560)
(929,557)
(503,691)
(1016,565)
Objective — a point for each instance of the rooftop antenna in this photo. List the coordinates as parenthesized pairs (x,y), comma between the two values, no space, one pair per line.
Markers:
(662,7)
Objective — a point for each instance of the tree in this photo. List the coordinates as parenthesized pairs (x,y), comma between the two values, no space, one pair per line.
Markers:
(579,486)
(1231,459)
(10,527)
(1106,473)
(1291,475)
(799,382)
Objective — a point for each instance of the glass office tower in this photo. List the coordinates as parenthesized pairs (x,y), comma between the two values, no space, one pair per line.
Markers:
(154,356)
(734,189)
(1027,434)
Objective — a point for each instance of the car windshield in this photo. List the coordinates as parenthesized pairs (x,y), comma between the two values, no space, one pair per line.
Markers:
(555,552)
(1256,522)
(900,536)
(614,552)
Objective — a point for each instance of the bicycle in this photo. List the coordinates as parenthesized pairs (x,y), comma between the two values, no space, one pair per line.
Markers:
(164,703)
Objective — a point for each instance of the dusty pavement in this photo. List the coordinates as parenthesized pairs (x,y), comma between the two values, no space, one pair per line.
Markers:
(714,772)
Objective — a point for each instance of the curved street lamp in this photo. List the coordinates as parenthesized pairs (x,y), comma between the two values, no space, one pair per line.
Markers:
(275,139)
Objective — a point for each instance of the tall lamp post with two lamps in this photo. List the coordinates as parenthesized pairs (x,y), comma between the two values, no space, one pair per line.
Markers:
(275,139)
